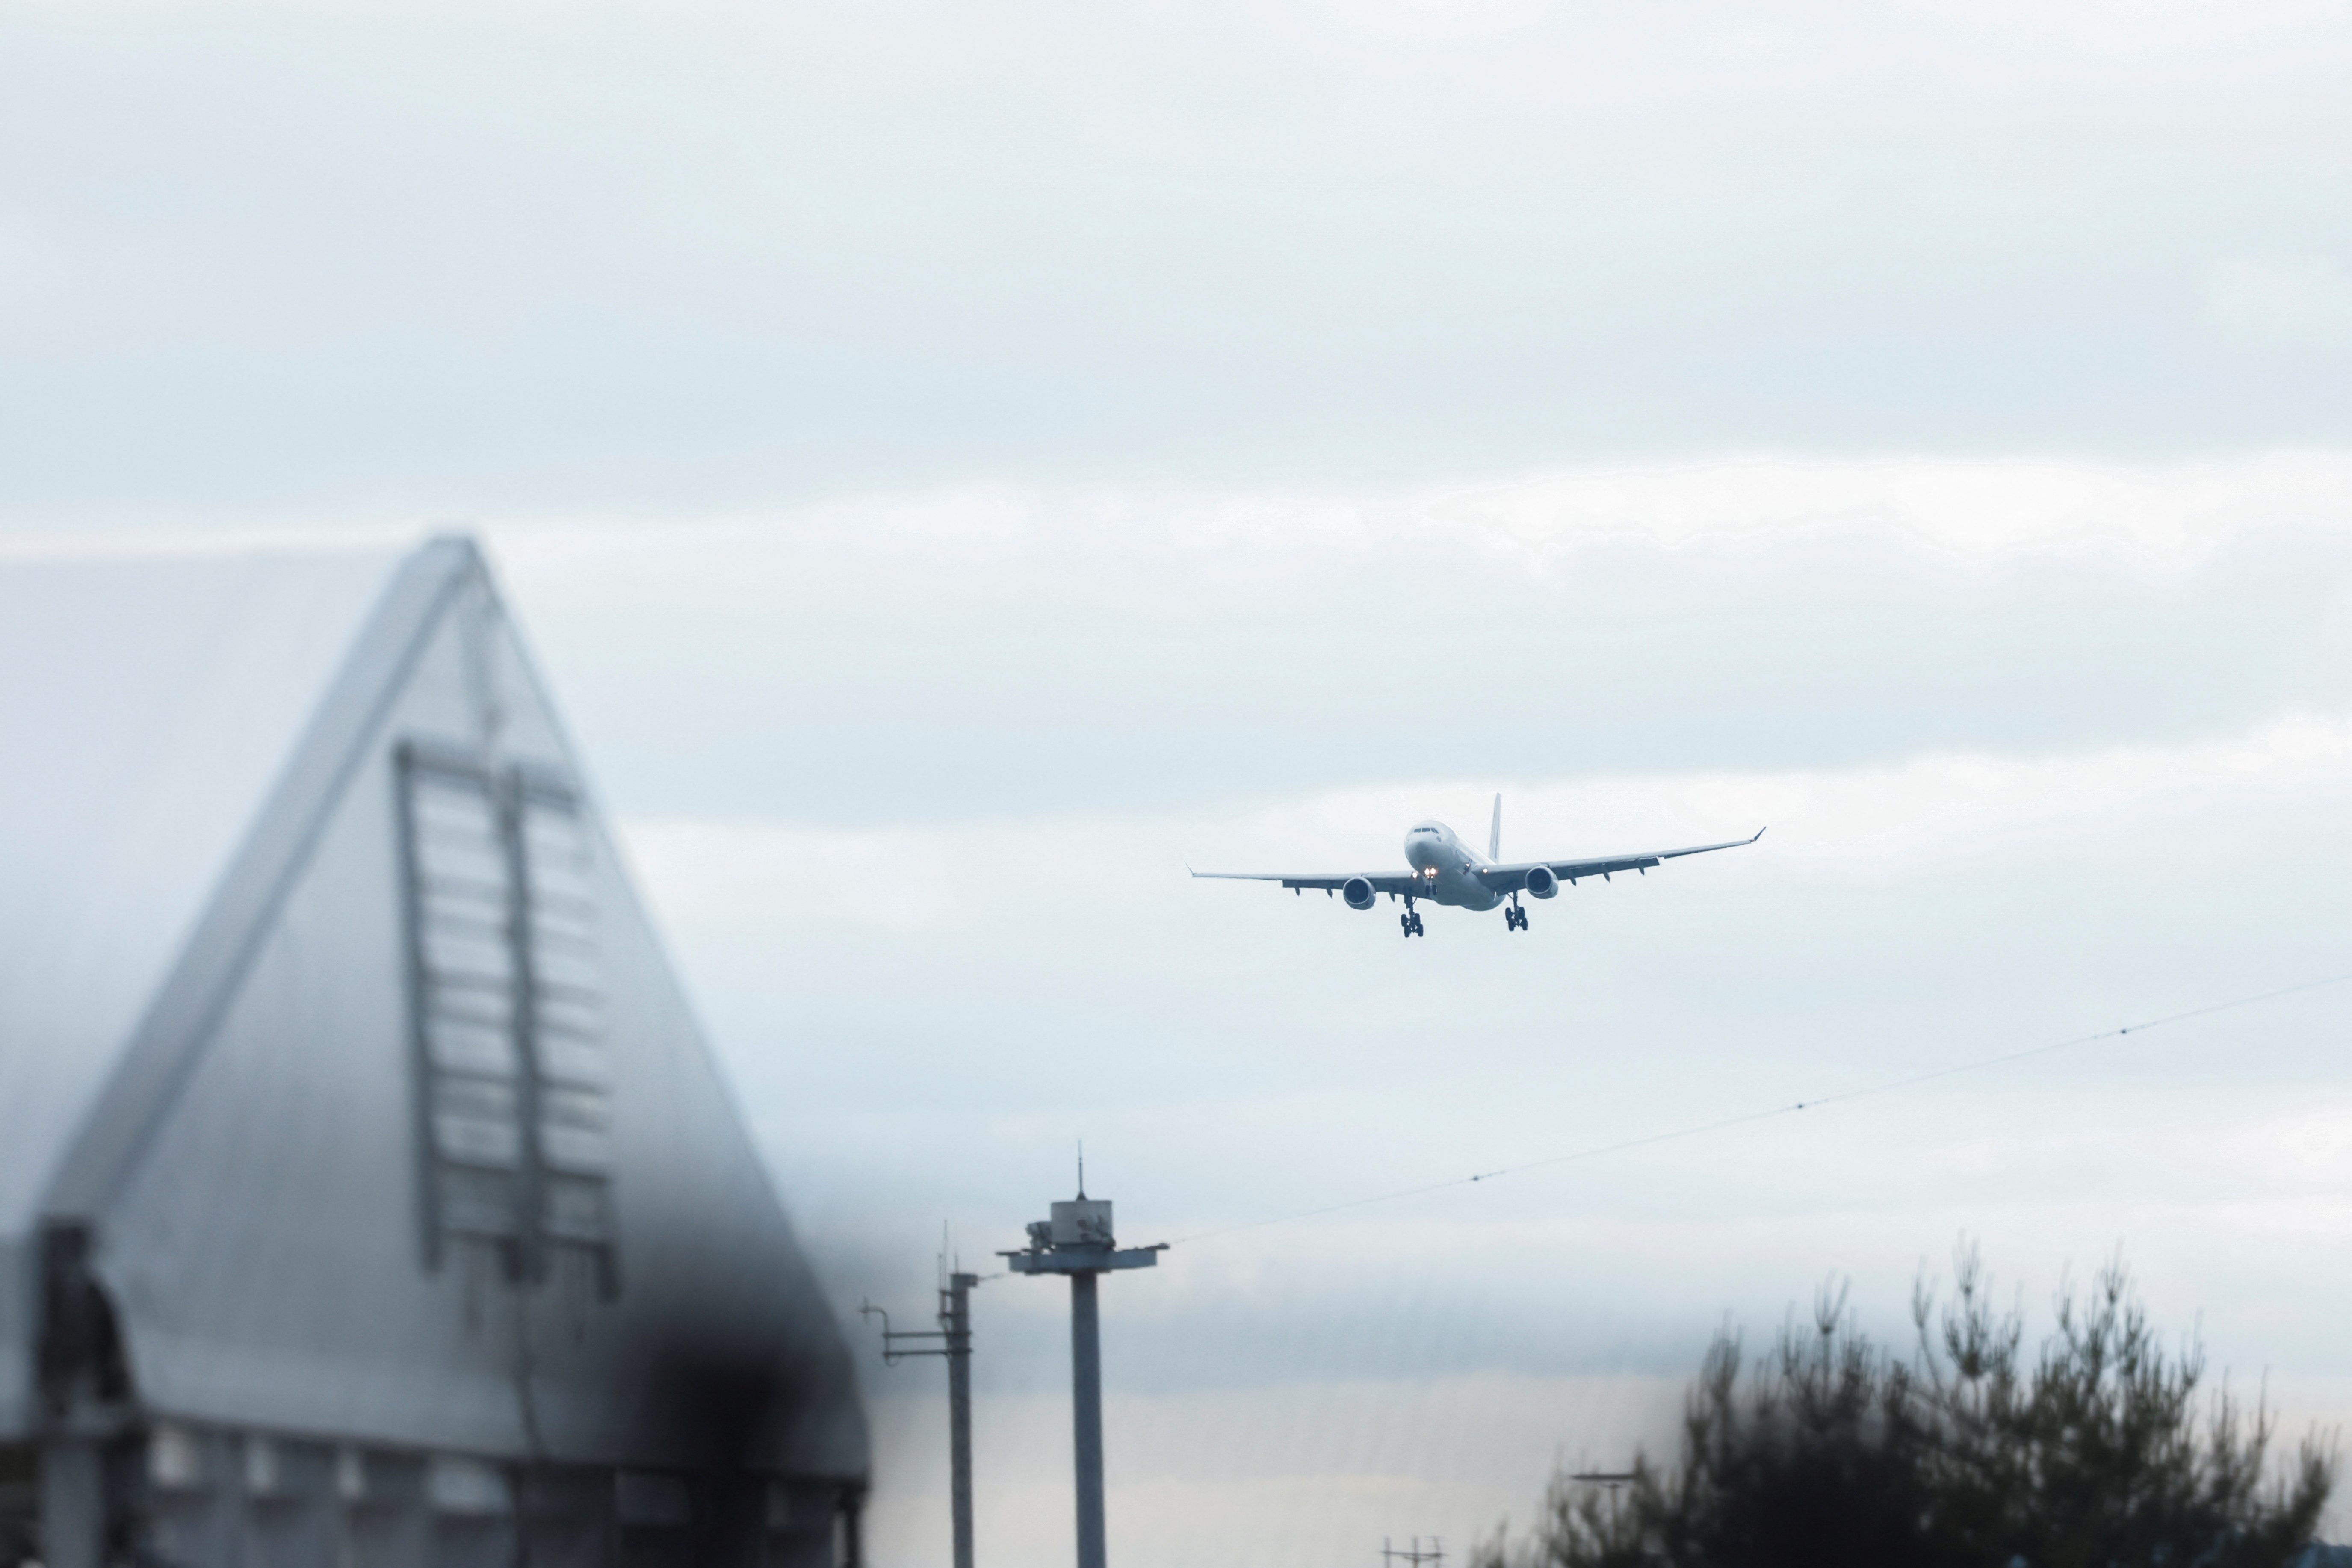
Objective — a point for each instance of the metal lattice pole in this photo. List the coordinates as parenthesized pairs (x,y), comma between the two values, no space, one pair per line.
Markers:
(954,1334)
(957,1320)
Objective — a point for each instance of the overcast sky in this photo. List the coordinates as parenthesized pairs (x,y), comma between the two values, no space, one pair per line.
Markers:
(957,465)
(456,259)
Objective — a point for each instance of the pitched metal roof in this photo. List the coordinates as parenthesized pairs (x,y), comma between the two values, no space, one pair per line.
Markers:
(150,706)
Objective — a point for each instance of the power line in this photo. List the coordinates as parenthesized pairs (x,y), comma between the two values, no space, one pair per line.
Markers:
(1700,1129)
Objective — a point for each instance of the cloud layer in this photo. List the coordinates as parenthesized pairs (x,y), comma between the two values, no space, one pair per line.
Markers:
(399,260)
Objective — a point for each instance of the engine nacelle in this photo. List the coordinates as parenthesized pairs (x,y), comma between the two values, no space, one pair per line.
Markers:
(1541,883)
(1359,892)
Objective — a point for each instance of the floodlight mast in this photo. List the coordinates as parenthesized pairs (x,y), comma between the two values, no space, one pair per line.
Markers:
(1077,1241)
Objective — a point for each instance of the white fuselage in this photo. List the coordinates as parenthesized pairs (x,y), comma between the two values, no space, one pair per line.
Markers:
(1447,867)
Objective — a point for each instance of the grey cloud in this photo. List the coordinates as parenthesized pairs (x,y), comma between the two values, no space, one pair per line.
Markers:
(1056,652)
(393,260)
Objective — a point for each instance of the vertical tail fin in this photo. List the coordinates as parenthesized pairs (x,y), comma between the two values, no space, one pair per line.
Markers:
(1495,834)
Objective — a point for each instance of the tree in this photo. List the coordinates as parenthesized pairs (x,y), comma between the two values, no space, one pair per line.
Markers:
(2099,1452)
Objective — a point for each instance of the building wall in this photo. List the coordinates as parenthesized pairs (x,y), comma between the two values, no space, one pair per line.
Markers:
(217,1496)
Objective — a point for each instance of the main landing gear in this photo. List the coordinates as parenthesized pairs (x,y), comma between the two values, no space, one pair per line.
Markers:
(1410,920)
(1514,917)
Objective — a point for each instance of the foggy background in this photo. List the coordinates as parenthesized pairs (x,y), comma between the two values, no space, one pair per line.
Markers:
(957,467)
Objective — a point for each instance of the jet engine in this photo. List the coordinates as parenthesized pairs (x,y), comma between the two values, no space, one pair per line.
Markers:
(1358,891)
(1541,883)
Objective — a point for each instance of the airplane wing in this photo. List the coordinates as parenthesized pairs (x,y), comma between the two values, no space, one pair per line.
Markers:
(1510,879)
(1382,881)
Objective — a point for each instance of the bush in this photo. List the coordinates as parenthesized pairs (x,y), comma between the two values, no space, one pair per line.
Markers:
(2098,1453)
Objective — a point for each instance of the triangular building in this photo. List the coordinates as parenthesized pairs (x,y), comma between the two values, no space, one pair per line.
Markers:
(367,1194)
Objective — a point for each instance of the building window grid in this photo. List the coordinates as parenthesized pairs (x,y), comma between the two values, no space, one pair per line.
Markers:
(513,1099)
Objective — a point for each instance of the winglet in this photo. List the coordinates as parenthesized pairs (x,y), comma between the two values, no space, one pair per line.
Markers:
(1760,833)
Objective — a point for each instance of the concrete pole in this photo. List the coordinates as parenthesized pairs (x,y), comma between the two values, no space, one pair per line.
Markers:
(960,1411)
(73,1504)
(1086,1401)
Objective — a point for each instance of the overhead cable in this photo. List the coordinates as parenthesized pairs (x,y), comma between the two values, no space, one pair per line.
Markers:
(1700,1129)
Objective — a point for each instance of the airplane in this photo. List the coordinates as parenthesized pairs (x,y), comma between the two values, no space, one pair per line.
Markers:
(1447,871)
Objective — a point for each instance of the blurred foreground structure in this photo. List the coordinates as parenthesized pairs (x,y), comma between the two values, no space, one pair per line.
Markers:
(367,1195)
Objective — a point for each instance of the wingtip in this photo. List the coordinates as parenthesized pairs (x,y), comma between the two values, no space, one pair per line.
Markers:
(1760,833)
